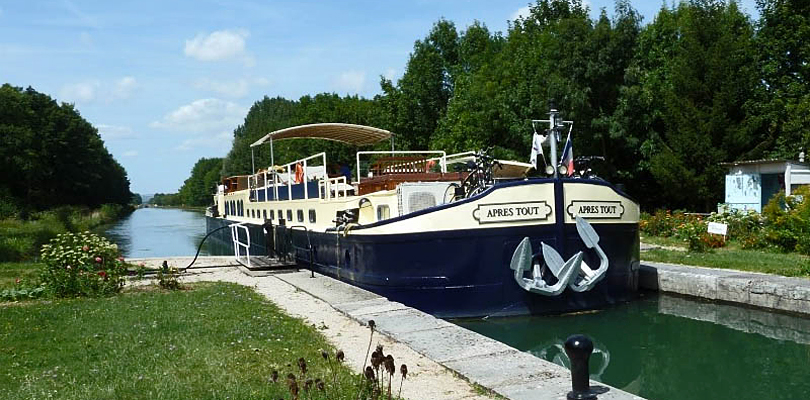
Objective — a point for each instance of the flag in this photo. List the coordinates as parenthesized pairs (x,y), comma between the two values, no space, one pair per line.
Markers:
(537,148)
(567,158)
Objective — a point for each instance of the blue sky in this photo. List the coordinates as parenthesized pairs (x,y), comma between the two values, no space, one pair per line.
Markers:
(166,82)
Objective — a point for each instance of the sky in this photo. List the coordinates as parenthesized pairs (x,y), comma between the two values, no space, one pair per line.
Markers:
(167,82)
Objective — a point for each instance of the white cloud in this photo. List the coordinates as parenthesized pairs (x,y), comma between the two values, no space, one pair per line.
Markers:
(80,92)
(114,132)
(124,87)
(235,88)
(203,116)
(351,81)
(220,140)
(91,90)
(522,12)
(130,153)
(218,46)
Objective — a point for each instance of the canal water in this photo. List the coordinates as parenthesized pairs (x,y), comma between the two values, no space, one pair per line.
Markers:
(660,347)
(161,232)
(666,348)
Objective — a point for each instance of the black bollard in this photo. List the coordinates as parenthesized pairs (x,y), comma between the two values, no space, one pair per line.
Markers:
(579,349)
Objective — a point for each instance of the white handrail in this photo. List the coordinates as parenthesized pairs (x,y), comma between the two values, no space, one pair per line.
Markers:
(238,244)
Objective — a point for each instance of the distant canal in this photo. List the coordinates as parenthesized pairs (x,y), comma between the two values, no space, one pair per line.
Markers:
(660,347)
(160,232)
(663,347)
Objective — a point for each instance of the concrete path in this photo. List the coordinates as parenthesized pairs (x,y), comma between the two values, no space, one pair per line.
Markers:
(436,351)
(748,288)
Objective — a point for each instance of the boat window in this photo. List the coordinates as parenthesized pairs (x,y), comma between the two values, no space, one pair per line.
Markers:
(253,213)
(300,215)
(383,212)
(264,214)
(289,215)
(312,216)
(280,214)
(272,214)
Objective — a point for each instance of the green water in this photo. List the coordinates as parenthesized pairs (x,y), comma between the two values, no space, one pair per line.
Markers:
(665,348)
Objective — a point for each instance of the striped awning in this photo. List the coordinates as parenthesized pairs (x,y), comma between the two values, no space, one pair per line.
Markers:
(358,135)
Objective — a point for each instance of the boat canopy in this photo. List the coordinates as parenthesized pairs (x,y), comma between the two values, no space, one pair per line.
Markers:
(358,135)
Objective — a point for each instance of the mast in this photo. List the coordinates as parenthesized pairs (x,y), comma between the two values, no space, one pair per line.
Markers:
(552,132)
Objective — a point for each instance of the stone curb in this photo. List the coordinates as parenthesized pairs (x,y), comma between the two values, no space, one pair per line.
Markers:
(749,288)
(505,370)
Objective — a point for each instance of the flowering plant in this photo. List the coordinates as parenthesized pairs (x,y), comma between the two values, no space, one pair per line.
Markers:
(82,264)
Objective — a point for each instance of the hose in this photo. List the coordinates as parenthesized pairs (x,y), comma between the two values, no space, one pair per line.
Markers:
(201,244)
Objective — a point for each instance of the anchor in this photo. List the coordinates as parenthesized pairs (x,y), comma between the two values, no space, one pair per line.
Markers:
(574,273)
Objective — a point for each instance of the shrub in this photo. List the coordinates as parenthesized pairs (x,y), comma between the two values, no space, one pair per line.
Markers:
(82,264)
(741,224)
(168,278)
(787,221)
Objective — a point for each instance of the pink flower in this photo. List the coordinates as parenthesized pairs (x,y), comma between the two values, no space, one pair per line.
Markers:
(121,258)
(102,274)
(17,281)
(98,260)
(85,248)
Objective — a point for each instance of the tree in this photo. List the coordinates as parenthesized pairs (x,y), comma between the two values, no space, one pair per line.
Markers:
(683,108)
(414,106)
(784,104)
(199,188)
(50,155)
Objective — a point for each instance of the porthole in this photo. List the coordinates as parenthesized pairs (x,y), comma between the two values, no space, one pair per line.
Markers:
(272,214)
(312,216)
(300,215)
(289,215)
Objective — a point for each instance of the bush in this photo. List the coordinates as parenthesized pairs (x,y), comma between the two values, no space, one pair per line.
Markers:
(787,221)
(82,264)
(168,278)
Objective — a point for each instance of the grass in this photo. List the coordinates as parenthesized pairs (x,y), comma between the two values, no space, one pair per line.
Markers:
(27,273)
(21,239)
(663,241)
(733,257)
(218,340)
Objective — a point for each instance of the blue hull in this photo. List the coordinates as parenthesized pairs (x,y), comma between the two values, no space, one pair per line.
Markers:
(460,273)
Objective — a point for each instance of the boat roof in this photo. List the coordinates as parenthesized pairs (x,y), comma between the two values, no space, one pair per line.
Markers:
(358,135)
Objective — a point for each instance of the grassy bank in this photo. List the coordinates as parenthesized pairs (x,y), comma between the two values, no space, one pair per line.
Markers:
(27,273)
(216,341)
(731,257)
(21,239)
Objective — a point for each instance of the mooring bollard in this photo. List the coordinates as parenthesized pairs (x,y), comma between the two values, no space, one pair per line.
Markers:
(579,349)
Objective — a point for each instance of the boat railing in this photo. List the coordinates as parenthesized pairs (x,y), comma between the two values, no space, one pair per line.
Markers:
(273,180)
(239,244)
(403,162)
(332,187)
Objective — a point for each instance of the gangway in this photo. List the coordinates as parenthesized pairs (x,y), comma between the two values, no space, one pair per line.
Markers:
(255,264)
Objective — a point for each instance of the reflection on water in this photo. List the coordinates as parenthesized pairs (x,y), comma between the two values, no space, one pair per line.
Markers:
(665,347)
(160,232)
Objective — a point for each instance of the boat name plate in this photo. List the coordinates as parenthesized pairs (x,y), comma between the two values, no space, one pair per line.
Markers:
(507,212)
(596,209)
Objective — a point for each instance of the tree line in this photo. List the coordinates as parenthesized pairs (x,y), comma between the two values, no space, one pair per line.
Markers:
(663,102)
(50,156)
